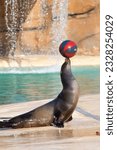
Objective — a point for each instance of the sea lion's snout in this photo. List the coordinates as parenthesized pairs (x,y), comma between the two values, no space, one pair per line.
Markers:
(67,60)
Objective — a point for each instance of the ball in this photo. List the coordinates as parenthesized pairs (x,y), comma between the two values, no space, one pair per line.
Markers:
(68,48)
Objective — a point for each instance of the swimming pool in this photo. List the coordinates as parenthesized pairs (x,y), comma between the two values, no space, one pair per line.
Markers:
(15,87)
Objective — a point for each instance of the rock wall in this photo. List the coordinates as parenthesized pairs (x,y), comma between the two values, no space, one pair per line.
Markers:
(84,25)
(33,28)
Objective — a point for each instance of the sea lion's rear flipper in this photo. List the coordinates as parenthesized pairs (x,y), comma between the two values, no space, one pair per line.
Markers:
(69,119)
(4,124)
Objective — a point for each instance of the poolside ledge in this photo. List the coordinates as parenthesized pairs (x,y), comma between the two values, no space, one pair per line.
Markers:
(47,60)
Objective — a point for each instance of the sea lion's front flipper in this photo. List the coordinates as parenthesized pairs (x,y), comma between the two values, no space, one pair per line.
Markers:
(70,118)
(57,123)
(58,120)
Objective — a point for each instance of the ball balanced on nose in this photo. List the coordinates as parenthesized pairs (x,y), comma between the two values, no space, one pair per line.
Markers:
(68,48)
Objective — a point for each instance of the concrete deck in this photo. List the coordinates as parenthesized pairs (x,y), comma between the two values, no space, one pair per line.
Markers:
(82,133)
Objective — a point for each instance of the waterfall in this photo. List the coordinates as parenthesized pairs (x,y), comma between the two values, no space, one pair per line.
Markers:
(59,21)
(11,18)
(43,15)
(22,13)
(16,14)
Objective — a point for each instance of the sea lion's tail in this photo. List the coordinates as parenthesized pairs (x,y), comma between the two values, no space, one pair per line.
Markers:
(4,124)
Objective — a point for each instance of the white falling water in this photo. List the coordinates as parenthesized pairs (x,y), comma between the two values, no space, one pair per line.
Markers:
(15,16)
(42,26)
(43,12)
(11,11)
(59,22)
(24,5)
(21,19)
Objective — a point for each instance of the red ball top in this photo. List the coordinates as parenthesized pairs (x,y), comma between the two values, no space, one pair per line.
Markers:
(68,48)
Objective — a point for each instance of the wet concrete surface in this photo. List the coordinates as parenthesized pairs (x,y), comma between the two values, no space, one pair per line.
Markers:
(82,133)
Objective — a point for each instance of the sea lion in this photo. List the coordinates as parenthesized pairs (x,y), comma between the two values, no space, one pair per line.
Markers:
(55,112)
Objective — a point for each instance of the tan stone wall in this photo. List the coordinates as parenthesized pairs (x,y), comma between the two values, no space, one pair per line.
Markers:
(83,26)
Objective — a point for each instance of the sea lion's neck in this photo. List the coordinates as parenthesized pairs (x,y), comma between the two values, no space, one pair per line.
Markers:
(66,74)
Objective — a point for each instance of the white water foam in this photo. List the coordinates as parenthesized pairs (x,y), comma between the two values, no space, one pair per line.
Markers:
(30,70)
(11,18)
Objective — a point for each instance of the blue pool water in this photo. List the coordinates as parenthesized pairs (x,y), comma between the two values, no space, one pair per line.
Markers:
(37,86)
